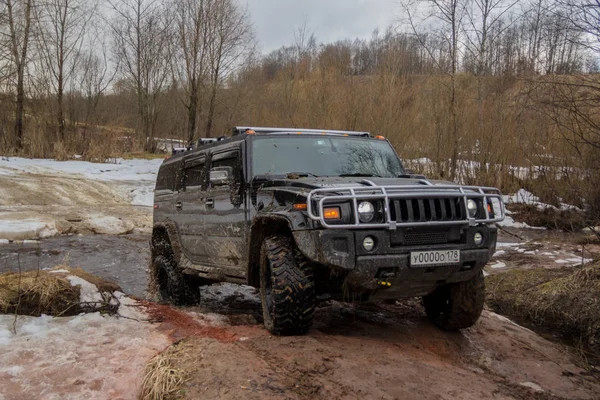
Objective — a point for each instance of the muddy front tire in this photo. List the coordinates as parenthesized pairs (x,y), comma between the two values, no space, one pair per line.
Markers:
(456,305)
(173,286)
(287,287)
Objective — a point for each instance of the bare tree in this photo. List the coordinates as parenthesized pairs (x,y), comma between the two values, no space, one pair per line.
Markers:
(231,42)
(142,45)
(18,16)
(446,20)
(62,26)
(95,73)
(486,24)
(192,42)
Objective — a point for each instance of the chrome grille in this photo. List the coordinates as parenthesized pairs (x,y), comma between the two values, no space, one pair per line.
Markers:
(424,210)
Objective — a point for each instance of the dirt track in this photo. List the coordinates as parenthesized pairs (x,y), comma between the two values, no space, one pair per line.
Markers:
(370,351)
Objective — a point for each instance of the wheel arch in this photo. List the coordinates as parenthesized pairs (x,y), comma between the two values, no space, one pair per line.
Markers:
(262,228)
(165,241)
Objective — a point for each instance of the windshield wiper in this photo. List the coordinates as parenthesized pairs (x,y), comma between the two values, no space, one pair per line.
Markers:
(291,175)
(359,175)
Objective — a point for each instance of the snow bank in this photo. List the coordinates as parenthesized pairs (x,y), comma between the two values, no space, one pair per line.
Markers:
(135,178)
(26,229)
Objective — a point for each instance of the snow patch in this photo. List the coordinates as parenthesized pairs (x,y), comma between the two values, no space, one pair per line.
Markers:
(524,197)
(88,356)
(498,265)
(511,223)
(88,292)
(105,224)
(26,229)
(506,244)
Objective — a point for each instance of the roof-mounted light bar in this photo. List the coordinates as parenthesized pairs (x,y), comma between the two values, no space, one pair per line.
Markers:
(239,130)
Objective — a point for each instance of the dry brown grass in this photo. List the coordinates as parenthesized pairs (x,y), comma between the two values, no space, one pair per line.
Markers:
(162,380)
(564,220)
(563,301)
(42,292)
(36,293)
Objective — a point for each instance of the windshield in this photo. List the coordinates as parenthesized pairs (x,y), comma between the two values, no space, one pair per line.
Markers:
(325,156)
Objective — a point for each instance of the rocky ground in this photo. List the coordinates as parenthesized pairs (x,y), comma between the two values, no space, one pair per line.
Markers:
(381,351)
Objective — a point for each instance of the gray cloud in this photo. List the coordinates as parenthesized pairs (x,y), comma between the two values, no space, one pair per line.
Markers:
(276,21)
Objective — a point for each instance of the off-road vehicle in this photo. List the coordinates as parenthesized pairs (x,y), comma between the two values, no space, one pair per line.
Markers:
(308,214)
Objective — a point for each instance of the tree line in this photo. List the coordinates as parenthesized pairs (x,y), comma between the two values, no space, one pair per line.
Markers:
(498,92)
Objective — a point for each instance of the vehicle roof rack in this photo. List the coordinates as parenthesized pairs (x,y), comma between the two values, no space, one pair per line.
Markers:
(178,150)
(197,143)
(239,130)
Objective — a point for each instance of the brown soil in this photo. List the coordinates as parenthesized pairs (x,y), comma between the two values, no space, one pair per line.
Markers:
(179,325)
(378,351)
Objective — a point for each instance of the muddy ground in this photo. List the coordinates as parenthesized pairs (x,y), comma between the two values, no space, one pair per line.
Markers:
(354,351)
(379,351)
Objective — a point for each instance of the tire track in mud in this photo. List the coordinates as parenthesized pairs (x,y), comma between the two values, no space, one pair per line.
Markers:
(306,381)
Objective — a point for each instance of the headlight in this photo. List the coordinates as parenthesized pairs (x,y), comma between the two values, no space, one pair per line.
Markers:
(478,238)
(472,208)
(366,211)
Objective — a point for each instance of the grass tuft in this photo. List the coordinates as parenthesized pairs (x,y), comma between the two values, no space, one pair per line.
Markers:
(163,381)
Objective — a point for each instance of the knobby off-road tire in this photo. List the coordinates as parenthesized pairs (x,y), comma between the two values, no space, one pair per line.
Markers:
(173,286)
(287,288)
(456,305)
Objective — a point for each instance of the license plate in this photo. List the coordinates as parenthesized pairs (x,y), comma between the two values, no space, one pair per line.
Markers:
(434,257)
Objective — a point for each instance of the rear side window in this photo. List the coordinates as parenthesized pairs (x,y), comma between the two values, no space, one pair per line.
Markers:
(195,173)
(166,177)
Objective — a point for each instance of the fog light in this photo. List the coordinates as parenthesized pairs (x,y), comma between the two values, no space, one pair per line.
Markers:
(369,243)
(477,238)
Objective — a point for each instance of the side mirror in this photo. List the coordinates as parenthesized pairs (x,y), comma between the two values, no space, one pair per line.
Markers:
(220,176)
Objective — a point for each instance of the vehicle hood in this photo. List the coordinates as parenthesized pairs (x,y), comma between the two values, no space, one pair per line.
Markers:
(305,185)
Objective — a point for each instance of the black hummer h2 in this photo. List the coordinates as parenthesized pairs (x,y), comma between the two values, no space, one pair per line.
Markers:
(310,214)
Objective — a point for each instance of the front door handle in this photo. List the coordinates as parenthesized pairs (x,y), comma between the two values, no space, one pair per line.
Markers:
(210,203)
(178,205)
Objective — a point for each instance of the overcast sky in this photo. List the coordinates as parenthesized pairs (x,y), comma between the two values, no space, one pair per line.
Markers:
(276,20)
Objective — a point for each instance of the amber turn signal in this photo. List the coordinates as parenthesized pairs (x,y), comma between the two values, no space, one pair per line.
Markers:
(300,206)
(331,213)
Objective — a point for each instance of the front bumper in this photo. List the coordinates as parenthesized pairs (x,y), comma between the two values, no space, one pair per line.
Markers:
(386,271)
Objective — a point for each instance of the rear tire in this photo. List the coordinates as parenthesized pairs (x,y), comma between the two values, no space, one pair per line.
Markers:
(287,288)
(173,286)
(456,305)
